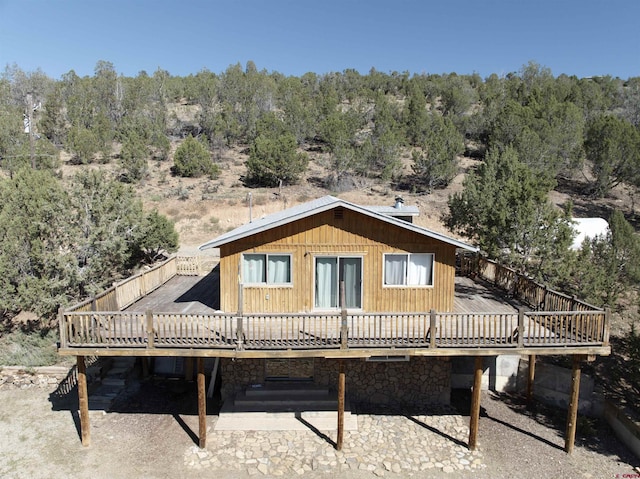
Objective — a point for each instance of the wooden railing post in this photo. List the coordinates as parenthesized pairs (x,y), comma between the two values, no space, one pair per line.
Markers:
(150,333)
(432,328)
(344,330)
(62,327)
(607,326)
(239,333)
(520,327)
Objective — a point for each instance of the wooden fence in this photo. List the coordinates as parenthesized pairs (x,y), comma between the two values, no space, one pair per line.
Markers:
(526,290)
(327,331)
(126,292)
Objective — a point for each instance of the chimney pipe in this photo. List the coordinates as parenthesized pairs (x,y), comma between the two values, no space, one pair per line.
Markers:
(399,202)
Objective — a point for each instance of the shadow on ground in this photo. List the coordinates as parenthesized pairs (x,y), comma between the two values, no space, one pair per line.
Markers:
(152,395)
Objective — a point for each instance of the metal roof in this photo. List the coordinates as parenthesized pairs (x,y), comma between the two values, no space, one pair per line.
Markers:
(314,207)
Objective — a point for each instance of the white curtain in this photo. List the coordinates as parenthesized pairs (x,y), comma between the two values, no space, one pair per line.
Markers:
(278,269)
(326,283)
(351,268)
(253,270)
(395,269)
(420,269)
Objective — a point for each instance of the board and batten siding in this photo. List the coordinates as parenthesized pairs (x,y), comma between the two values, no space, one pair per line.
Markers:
(347,233)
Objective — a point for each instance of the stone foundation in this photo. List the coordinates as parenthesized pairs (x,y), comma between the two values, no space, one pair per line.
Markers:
(419,381)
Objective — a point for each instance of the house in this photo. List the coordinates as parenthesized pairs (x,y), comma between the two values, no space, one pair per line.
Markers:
(330,293)
(294,261)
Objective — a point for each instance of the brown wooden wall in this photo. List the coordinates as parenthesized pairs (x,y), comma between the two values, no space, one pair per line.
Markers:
(353,234)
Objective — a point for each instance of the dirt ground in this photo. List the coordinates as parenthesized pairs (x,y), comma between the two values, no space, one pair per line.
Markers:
(155,429)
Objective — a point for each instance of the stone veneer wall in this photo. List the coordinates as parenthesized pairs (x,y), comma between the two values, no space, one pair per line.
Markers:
(419,381)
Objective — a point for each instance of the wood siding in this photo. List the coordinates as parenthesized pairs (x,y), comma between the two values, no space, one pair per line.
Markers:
(325,234)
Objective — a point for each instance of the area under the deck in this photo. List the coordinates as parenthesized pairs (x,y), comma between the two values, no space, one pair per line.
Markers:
(201,295)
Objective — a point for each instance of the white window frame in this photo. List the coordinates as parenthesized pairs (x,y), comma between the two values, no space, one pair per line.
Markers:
(266,262)
(405,283)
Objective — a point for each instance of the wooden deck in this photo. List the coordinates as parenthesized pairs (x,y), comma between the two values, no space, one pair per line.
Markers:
(181,318)
(199,295)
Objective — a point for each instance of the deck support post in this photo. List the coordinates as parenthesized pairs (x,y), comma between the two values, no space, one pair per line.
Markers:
(531,377)
(341,388)
(572,415)
(475,403)
(202,406)
(83,402)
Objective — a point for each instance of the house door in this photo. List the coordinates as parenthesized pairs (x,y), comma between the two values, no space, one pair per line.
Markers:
(330,272)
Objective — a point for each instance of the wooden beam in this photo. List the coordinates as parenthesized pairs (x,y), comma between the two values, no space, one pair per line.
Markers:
(341,387)
(83,401)
(475,403)
(531,377)
(572,415)
(202,406)
(351,353)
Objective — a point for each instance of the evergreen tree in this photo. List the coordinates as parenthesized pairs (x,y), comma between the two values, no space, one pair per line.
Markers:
(606,266)
(437,164)
(613,147)
(37,265)
(504,208)
(193,159)
(158,237)
(273,157)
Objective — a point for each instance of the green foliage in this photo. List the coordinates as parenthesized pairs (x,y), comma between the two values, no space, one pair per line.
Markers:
(133,158)
(606,266)
(107,218)
(193,159)
(613,147)
(159,237)
(83,143)
(437,164)
(505,209)
(36,264)
(273,157)
(29,348)
(381,154)
(417,117)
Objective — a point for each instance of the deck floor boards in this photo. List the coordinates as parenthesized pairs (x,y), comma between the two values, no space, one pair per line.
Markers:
(201,295)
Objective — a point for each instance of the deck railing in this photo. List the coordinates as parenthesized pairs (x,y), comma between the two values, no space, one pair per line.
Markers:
(128,291)
(333,331)
(526,290)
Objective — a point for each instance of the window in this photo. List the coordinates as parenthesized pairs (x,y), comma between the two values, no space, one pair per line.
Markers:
(408,269)
(266,269)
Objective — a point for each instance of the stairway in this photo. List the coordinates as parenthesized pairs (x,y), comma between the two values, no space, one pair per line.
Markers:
(284,406)
(111,384)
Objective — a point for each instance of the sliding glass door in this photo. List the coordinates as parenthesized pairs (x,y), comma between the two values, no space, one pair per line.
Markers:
(330,272)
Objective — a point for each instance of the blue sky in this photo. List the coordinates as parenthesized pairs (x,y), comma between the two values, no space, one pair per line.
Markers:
(576,37)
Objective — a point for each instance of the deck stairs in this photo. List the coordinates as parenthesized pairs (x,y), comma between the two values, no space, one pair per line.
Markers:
(284,406)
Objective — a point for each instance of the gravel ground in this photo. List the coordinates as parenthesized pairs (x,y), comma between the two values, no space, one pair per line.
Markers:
(152,436)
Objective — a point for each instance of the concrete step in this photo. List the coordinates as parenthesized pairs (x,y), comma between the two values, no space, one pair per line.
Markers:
(284,421)
(287,389)
(284,403)
(284,407)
